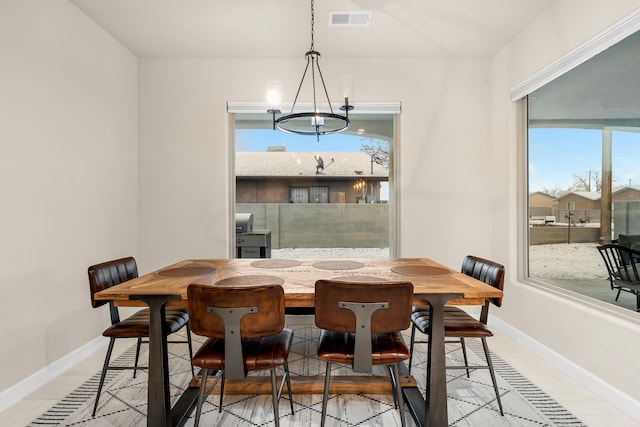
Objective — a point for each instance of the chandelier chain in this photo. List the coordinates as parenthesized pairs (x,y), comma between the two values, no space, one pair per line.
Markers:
(312,25)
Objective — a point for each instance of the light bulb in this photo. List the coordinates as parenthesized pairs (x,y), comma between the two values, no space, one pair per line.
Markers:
(274,94)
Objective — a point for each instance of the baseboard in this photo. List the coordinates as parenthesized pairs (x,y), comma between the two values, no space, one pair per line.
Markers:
(616,397)
(19,391)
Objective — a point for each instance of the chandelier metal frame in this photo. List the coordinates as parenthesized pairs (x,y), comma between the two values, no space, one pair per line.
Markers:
(316,117)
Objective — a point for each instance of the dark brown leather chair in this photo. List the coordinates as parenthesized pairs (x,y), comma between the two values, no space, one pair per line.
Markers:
(103,276)
(361,324)
(459,324)
(245,326)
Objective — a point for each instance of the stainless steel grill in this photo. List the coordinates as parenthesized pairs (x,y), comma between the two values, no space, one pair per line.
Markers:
(244,222)
(251,243)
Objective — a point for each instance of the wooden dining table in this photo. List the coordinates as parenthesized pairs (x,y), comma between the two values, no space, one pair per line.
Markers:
(434,284)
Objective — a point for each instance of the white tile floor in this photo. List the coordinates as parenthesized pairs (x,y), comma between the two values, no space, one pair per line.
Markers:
(591,409)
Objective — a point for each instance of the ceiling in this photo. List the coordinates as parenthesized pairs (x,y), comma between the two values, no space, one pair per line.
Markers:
(281,28)
(602,90)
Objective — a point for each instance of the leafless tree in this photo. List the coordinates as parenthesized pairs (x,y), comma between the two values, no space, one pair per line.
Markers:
(555,191)
(378,149)
(588,181)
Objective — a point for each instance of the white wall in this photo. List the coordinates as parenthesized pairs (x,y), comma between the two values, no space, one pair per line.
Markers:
(605,343)
(184,148)
(68,174)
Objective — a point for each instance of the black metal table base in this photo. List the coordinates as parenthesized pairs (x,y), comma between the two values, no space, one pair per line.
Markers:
(432,411)
(159,411)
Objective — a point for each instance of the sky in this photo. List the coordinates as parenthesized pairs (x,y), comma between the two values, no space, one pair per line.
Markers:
(260,139)
(556,155)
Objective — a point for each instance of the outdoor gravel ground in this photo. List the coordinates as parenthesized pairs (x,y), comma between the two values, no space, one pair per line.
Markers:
(317,253)
(566,261)
(562,260)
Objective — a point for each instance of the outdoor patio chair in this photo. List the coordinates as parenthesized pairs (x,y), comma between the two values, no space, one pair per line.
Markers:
(622,268)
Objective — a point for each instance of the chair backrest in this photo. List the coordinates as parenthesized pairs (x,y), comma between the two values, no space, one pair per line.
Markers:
(486,271)
(363,309)
(621,263)
(267,320)
(329,315)
(631,241)
(612,259)
(232,313)
(107,274)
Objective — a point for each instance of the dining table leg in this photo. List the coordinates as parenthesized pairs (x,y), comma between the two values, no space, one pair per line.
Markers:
(432,411)
(159,395)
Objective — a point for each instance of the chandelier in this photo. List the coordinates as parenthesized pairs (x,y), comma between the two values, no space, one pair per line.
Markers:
(313,122)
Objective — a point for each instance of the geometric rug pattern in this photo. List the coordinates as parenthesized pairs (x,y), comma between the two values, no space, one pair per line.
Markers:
(471,401)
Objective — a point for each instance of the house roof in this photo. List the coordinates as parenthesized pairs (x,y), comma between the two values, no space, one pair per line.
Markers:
(628,187)
(286,164)
(591,195)
(542,193)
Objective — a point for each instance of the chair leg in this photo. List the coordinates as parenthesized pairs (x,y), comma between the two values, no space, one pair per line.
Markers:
(274,397)
(493,375)
(286,372)
(394,385)
(464,354)
(325,393)
(204,392)
(135,363)
(189,343)
(286,379)
(618,294)
(411,344)
(398,394)
(105,366)
(203,385)
(222,391)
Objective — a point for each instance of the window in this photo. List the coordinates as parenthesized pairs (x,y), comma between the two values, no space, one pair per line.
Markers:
(331,193)
(583,151)
(309,195)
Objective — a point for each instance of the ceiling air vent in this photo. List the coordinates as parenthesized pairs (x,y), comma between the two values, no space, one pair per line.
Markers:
(350,19)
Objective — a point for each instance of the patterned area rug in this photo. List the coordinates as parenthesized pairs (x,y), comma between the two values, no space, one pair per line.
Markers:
(471,401)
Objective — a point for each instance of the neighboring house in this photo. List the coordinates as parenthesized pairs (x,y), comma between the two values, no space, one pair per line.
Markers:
(578,200)
(582,206)
(277,176)
(626,194)
(540,204)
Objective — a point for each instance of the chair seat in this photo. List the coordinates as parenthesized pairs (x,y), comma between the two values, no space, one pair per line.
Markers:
(137,325)
(628,276)
(259,353)
(457,323)
(338,347)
